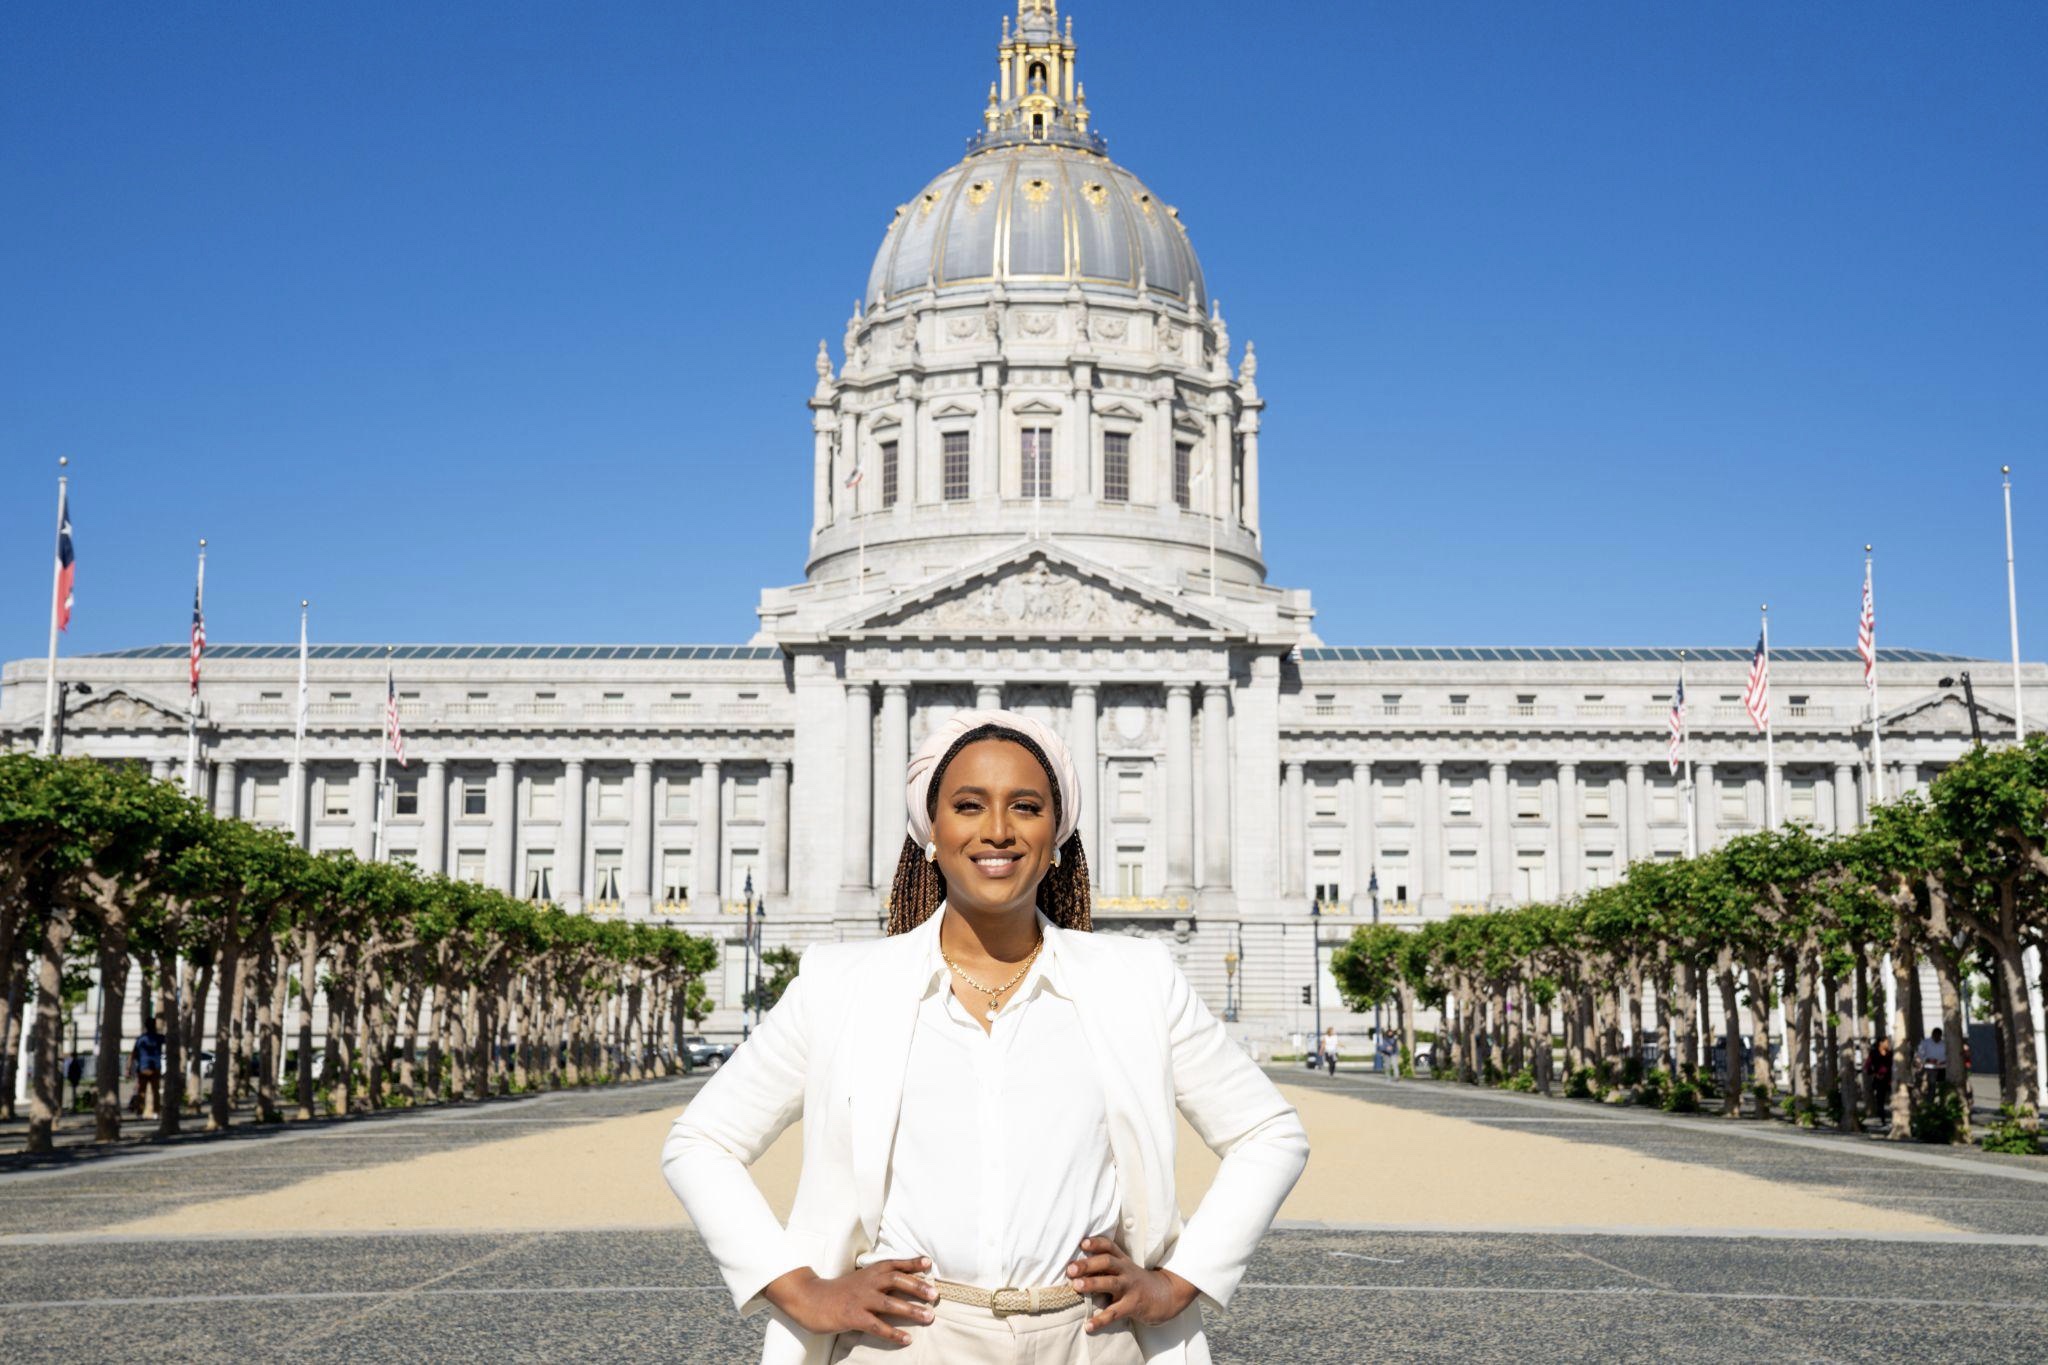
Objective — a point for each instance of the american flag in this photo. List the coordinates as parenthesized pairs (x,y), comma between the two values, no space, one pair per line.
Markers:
(1756,695)
(1866,635)
(198,639)
(1678,726)
(392,734)
(853,479)
(67,562)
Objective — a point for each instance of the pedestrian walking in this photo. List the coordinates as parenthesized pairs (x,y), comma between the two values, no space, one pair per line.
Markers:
(146,1065)
(959,1082)
(1390,1056)
(1329,1046)
(1877,1075)
(1933,1057)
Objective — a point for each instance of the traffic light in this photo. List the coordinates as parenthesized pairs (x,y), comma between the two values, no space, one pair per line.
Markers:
(1305,995)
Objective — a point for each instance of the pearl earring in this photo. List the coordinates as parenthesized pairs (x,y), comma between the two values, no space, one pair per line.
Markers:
(931,851)
(1055,857)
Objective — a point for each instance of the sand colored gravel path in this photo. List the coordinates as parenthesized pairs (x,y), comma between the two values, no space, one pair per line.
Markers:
(1371,1164)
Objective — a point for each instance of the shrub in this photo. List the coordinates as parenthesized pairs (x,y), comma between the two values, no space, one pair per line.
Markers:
(1682,1098)
(2013,1135)
(1582,1084)
(1523,1080)
(1652,1087)
(1942,1119)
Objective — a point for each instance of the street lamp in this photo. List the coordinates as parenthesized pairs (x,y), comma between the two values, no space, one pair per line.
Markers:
(64,691)
(1970,700)
(760,918)
(747,949)
(1229,986)
(1315,929)
(1372,889)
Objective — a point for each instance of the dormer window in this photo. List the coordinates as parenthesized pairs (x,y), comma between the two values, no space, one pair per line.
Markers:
(1038,125)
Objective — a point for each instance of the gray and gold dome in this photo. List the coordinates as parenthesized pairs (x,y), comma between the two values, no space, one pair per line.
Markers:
(1037,201)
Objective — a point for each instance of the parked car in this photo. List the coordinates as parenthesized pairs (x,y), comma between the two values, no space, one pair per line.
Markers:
(703,1052)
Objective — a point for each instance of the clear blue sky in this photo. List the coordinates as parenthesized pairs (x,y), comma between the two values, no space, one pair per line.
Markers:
(1580,323)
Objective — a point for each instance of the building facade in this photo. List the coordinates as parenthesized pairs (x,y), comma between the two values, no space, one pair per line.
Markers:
(1035,484)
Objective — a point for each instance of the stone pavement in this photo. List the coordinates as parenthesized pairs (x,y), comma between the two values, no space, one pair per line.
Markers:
(1950,1259)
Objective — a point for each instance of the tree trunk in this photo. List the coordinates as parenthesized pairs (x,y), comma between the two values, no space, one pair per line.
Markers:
(2011,988)
(1800,1070)
(1731,1029)
(373,1026)
(408,1045)
(1906,1091)
(113,964)
(1760,1033)
(1848,1069)
(1948,976)
(270,997)
(13,1002)
(195,1032)
(47,1041)
(170,1110)
(219,1106)
(309,985)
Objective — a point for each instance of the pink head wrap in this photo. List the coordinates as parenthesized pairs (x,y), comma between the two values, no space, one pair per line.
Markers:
(925,762)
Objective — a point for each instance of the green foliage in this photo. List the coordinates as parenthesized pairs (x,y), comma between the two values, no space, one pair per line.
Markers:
(1368,969)
(1583,1084)
(1682,1098)
(1941,1119)
(779,969)
(2015,1134)
(1523,1081)
(1653,1086)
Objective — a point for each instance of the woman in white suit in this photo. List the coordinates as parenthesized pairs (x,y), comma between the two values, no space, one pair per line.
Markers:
(988,1099)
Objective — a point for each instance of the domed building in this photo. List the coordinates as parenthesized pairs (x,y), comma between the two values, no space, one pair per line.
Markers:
(1035,478)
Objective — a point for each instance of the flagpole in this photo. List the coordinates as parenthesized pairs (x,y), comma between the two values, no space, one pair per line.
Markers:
(56,591)
(2012,611)
(193,784)
(1876,731)
(1692,822)
(299,735)
(1770,740)
(383,752)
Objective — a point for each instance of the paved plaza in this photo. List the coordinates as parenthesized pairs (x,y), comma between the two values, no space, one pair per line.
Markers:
(1435,1223)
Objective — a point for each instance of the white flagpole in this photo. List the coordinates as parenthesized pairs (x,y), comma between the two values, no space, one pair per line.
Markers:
(383,752)
(2012,611)
(194,785)
(1692,823)
(56,587)
(1876,732)
(299,734)
(1770,742)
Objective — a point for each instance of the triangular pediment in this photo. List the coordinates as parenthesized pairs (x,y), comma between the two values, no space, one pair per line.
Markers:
(1038,591)
(1946,713)
(119,708)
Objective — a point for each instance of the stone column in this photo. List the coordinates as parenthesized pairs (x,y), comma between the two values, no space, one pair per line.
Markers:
(1845,797)
(823,423)
(1501,862)
(160,769)
(1568,870)
(504,835)
(892,757)
(710,851)
(1222,456)
(433,817)
(1180,782)
(776,855)
(855,831)
(569,844)
(1363,855)
(224,778)
(1216,787)
(843,498)
(1706,806)
(1429,824)
(1774,795)
(1294,829)
(364,808)
(1082,727)
(985,463)
(639,838)
(1637,813)
(1895,781)
(1248,427)
(295,810)
(988,696)
(1082,461)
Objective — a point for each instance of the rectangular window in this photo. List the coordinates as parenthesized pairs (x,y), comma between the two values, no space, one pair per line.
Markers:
(607,878)
(676,804)
(1393,875)
(741,874)
(339,696)
(1528,798)
(540,875)
(1800,805)
(405,796)
(1461,876)
(1327,890)
(469,865)
(1130,871)
(611,798)
(888,473)
(1599,869)
(1116,466)
(269,802)
(1599,799)
(1664,802)
(1183,474)
(1735,800)
(544,799)
(1458,799)
(1531,883)
(1394,801)
(953,466)
(675,878)
(1130,793)
(746,798)
(476,796)
(334,797)
(1035,443)
(1324,800)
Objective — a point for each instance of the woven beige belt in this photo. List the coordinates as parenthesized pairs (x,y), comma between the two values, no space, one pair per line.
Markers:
(1008,1300)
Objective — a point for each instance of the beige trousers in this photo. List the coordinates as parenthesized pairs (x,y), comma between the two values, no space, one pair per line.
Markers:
(961,1335)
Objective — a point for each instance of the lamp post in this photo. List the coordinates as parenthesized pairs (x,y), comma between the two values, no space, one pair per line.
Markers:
(1315,930)
(1372,889)
(1229,986)
(1969,700)
(64,691)
(747,950)
(760,918)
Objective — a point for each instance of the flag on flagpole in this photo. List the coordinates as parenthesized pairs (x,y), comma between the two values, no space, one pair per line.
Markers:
(67,561)
(1756,695)
(853,479)
(392,733)
(198,637)
(1866,635)
(1678,727)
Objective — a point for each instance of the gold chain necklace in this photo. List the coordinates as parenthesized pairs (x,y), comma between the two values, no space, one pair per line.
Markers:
(994,993)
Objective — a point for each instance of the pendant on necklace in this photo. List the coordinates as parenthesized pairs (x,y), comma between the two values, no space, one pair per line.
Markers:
(992,1009)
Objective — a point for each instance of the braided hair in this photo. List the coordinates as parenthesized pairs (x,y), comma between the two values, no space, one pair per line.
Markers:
(920,886)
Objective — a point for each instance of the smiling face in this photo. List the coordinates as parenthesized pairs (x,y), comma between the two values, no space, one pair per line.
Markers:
(994,827)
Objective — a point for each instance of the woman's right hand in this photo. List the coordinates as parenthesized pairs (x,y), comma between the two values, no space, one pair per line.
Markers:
(859,1302)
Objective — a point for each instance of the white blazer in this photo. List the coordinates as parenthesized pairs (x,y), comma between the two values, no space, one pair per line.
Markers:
(833,1052)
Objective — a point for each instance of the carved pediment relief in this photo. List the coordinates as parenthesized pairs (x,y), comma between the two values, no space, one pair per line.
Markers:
(118,709)
(1946,713)
(953,410)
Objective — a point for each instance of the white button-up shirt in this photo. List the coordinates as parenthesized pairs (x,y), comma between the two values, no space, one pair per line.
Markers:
(1002,1161)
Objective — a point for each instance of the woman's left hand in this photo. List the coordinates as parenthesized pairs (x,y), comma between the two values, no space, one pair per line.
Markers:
(1149,1296)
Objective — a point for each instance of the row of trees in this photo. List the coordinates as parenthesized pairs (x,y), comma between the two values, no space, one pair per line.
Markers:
(432,988)
(1814,923)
